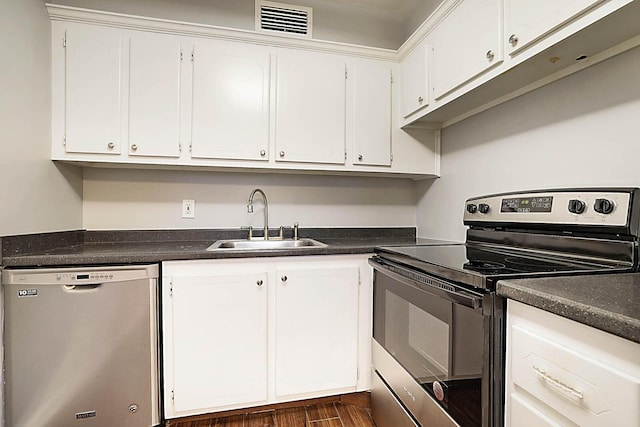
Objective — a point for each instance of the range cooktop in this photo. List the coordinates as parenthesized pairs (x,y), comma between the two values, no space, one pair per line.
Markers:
(482,267)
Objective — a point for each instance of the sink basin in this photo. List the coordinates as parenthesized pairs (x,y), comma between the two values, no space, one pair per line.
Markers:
(246,245)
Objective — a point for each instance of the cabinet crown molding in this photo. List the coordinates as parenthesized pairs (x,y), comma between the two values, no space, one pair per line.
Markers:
(189,29)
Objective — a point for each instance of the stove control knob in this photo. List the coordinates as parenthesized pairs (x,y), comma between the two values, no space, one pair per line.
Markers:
(577,206)
(471,208)
(483,208)
(603,206)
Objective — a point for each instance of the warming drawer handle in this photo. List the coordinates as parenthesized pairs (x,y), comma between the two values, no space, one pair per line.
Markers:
(562,387)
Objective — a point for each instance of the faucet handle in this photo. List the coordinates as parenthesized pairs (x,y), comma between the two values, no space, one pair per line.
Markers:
(250,228)
(295,231)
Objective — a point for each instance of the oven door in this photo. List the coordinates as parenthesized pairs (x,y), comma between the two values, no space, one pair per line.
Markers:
(436,332)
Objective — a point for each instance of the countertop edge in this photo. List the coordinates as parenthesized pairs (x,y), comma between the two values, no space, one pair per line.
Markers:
(602,319)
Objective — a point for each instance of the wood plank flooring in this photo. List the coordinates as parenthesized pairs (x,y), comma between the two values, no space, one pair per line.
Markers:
(331,414)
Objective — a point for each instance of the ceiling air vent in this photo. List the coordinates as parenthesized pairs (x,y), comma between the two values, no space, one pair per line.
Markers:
(283,18)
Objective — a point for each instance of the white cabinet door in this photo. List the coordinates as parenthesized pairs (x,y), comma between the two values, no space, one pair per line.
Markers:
(93,89)
(230,101)
(154,95)
(526,21)
(316,329)
(310,108)
(217,341)
(466,43)
(415,95)
(372,114)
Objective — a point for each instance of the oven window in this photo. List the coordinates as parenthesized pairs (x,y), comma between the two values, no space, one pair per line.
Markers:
(440,343)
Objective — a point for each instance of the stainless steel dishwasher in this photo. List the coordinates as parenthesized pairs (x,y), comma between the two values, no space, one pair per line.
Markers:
(81,347)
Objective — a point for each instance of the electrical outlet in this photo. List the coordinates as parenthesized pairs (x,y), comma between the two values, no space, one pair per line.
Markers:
(188,208)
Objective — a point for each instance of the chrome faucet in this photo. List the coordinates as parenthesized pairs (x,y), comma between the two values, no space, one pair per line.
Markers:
(266,210)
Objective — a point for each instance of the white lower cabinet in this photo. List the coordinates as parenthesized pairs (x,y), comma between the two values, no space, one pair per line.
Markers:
(563,373)
(316,328)
(244,332)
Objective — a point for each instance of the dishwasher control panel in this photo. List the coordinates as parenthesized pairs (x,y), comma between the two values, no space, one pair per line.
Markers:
(80,275)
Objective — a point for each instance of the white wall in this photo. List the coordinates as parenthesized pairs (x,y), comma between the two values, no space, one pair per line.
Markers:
(331,21)
(145,199)
(35,195)
(583,130)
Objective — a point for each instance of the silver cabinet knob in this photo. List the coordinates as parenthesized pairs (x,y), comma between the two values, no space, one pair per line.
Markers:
(111,145)
(420,100)
(513,40)
(134,147)
(259,282)
(283,278)
(490,55)
(263,153)
(282,154)
(360,157)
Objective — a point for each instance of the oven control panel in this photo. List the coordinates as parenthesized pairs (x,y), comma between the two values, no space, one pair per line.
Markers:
(579,207)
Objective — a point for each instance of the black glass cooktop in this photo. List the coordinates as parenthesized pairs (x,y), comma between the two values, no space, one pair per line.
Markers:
(482,267)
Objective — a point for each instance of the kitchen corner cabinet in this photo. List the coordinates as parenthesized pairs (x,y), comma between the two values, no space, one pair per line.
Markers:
(563,373)
(310,115)
(415,81)
(245,332)
(465,44)
(230,113)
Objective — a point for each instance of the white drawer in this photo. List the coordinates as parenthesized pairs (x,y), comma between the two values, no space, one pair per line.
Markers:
(582,389)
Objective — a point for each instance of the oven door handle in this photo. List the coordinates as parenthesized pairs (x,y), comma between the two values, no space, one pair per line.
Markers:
(437,287)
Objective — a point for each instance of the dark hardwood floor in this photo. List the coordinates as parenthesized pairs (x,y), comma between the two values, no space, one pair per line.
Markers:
(339,413)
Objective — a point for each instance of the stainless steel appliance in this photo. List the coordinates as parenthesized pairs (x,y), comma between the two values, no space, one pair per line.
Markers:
(81,347)
(438,347)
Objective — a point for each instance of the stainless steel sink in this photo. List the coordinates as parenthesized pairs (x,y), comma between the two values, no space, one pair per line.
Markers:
(247,245)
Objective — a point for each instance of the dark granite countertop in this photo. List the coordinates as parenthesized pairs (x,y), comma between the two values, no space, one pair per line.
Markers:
(607,302)
(124,247)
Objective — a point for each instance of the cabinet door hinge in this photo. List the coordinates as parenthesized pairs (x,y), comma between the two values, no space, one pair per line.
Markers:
(191,147)
(391,78)
(64,41)
(179,147)
(359,277)
(173,397)
(193,56)
(358,372)
(345,154)
(171,288)
(180,55)
(64,140)
(391,157)
(346,73)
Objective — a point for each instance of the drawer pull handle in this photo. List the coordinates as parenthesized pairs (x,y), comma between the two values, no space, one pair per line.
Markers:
(409,393)
(542,373)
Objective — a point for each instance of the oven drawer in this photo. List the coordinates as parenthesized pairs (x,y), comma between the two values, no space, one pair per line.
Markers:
(419,403)
(555,379)
(386,410)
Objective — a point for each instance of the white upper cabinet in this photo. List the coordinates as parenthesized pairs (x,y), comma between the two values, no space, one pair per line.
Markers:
(230,117)
(138,91)
(526,21)
(93,90)
(371,113)
(310,108)
(466,43)
(316,328)
(155,70)
(415,95)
